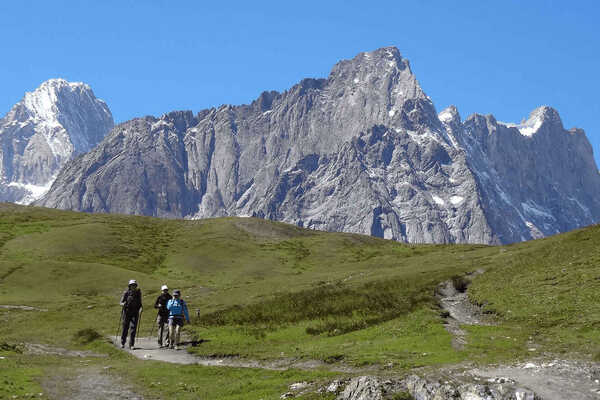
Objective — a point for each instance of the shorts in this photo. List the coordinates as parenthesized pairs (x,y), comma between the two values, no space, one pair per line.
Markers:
(176,321)
(162,319)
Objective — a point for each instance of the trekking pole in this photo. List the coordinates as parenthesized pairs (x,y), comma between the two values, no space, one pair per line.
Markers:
(152,328)
(139,322)
(119,326)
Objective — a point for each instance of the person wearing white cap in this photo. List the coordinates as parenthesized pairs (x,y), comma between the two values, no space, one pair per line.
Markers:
(162,318)
(131,301)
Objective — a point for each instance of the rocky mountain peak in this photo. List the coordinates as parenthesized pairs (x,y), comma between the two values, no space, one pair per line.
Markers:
(543,116)
(383,69)
(390,55)
(450,115)
(43,102)
(43,131)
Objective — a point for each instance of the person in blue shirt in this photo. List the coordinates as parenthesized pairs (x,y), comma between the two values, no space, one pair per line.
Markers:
(177,312)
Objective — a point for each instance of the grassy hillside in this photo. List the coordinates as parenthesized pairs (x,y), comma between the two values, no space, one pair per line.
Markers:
(268,290)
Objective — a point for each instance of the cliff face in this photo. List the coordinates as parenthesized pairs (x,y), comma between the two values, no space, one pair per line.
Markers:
(45,130)
(361,151)
(536,178)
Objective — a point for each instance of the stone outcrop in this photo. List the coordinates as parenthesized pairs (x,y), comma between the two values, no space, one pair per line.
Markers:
(422,389)
(417,388)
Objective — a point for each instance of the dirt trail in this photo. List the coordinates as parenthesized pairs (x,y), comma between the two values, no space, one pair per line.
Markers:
(89,384)
(147,349)
(459,310)
(24,308)
(42,349)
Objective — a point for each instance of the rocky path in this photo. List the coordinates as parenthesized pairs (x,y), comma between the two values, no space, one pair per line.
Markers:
(88,383)
(552,380)
(147,349)
(458,310)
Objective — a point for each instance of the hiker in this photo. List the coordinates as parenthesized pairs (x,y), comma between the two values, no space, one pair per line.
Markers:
(162,319)
(130,314)
(177,311)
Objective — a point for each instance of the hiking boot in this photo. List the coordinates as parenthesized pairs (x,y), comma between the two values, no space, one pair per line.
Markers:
(171,346)
(130,346)
(122,345)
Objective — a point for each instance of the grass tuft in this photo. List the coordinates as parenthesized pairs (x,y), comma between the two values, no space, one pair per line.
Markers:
(13,348)
(87,335)
(402,396)
(461,283)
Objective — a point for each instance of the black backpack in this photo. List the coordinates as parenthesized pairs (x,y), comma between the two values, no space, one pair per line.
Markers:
(133,300)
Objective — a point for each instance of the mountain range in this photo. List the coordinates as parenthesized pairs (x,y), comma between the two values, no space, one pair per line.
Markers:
(362,151)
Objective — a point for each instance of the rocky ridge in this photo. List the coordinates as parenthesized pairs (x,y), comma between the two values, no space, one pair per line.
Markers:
(43,131)
(362,151)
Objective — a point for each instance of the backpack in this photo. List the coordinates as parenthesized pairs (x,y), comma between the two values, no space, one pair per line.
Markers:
(133,300)
(177,306)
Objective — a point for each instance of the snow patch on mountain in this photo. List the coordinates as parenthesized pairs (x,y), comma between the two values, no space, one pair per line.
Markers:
(33,192)
(455,200)
(438,200)
(533,124)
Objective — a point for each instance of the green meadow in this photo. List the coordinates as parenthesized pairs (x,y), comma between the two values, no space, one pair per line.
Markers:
(263,290)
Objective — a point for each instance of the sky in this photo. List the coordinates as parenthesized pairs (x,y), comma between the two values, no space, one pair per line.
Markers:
(150,57)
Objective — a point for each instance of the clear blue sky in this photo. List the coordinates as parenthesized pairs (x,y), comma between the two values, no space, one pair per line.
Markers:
(149,57)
